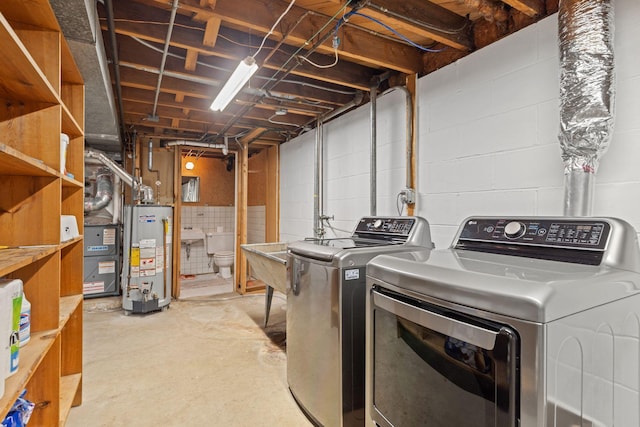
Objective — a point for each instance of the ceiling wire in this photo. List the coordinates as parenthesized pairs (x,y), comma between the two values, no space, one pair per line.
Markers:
(275,81)
(214,67)
(273,27)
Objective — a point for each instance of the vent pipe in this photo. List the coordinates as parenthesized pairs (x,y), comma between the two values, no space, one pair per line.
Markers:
(104,193)
(586,96)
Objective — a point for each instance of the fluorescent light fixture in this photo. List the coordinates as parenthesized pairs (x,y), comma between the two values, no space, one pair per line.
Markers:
(240,76)
(189,165)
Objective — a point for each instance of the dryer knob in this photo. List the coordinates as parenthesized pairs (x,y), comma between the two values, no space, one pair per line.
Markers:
(377,223)
(514,229)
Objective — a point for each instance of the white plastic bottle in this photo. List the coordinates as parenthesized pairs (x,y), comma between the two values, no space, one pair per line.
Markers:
(25,321)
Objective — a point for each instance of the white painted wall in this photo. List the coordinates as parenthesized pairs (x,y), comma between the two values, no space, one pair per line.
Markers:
(487,141)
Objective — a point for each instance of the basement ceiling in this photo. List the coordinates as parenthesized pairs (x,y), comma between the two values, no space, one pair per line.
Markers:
(355,45)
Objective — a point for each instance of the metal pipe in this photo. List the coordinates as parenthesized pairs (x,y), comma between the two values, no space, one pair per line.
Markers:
(145,192)
(104,193)
(318,190)
(373,166)
(194,144)
(156,171)
(586,96)
(408,131)
(174,9)
(272,83)
(116,63)
(121,173)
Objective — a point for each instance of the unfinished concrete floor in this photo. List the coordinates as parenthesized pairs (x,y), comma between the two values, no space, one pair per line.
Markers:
(202,362)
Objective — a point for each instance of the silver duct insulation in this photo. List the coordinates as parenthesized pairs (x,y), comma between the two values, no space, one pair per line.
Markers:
(104,193)
(586,95)
(142,192)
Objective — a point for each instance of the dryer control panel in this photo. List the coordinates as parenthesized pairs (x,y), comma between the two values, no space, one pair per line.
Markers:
(575,240)
(554,232)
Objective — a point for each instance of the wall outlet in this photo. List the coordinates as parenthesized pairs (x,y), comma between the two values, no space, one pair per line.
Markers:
(408,196)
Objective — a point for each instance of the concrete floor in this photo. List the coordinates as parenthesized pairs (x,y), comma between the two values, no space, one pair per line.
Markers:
(202,362)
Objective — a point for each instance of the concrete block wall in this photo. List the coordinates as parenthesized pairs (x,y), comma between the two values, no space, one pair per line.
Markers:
(487,141)
(488,131)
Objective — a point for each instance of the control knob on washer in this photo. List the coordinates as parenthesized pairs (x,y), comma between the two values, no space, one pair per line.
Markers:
(377,223)
(514,229)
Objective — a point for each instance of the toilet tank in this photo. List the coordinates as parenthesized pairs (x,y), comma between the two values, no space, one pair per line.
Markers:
(219,242)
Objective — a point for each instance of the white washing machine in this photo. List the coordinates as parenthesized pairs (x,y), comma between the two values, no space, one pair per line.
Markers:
(521,322)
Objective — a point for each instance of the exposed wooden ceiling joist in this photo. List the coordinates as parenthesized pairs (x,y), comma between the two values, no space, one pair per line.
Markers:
(210,37)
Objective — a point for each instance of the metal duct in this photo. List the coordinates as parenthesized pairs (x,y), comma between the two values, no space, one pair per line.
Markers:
(144,192)
(586,96)
(104,192)
(199,144)
(373,161)
(318,190)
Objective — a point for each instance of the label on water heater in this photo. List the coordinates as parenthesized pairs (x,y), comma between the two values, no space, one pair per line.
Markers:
(352,274)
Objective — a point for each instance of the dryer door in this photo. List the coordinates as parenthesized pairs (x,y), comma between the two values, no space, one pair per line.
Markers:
(433,366)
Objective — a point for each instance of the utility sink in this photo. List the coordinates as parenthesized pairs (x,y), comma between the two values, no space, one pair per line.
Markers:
(269,263)
(189,235)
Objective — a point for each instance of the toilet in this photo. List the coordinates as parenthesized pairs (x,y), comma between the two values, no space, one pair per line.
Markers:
(220,245)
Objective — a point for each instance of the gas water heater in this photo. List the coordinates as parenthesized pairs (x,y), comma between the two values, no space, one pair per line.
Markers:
(147,263)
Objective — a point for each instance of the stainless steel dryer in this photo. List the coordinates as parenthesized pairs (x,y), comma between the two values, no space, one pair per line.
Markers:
(326,314)
(522,322)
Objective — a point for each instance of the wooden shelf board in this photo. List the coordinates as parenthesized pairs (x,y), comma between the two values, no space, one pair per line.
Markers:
(71,242)
(33,12)
(67,307)
(70,125)
(16,258)
(21,77)
(67,181)
(30,357)
(13,162)
(68,386)
(70,72)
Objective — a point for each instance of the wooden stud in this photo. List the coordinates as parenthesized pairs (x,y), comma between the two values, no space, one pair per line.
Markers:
(412,82)
(211,32)
(190,62)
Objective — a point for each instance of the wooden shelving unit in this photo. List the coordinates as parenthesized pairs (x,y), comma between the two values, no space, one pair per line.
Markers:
(42,95)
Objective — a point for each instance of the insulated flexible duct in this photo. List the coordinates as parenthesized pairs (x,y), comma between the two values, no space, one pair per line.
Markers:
(104,193)
(586,96)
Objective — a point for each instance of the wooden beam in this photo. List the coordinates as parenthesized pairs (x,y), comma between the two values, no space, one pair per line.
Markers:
(133,58)
(426,19)
(241,212)
(412,83)
(177,220)
(528,7)
(272,207)
(358,45)
(344,73)
(211,32)
(191,60)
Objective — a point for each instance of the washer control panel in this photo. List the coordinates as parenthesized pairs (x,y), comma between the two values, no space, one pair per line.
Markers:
(398,226)
(553,232)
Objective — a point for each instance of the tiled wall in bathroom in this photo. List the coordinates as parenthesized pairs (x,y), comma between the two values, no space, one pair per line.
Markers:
(209,218)
(256,224)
